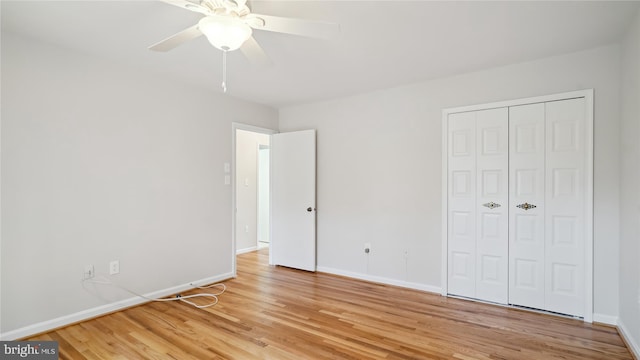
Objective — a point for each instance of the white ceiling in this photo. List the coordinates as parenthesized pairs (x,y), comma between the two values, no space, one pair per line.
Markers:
(382,43)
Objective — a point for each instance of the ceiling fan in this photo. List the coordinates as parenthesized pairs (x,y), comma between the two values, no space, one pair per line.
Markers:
(228,25)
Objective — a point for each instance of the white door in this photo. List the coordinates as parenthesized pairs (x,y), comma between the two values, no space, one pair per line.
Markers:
(293,200)
(565,206)
(477,204)
(492,215)
(547,163)
(461,248)
(526,205)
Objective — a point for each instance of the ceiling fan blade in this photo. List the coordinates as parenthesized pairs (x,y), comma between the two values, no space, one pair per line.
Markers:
(192,5)
(309,28)
(254,52)
(177,39)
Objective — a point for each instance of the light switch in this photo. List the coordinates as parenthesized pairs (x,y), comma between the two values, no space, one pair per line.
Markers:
(227,180)
(246,181)
(227,168)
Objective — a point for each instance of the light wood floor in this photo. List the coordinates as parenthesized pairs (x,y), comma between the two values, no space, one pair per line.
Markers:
(280,313)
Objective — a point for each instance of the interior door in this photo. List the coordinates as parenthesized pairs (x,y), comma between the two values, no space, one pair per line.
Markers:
(478,204)
(461,217)
(565,202)
(526,205)
(492,205)
(293,200)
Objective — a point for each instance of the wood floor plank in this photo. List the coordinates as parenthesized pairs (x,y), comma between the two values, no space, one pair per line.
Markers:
(285,314)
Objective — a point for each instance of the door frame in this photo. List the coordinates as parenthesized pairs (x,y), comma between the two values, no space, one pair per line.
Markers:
(587,94)
(234,127)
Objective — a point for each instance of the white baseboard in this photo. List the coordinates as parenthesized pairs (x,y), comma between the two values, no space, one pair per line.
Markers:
(246,250)
(605,319)
(48,325)
(382,280)
(633,345)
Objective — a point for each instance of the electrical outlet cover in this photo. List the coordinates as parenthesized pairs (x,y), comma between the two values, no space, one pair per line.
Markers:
(114,267)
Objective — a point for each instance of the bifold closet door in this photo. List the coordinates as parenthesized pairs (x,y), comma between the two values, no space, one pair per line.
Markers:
(566,206)
(526,205)
(478,211)
(518,204)
(492,216)
(461,250)
(547,162)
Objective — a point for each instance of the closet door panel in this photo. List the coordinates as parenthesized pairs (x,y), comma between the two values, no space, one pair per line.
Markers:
(461,217)
(492,234)
(565,204)
(526,205)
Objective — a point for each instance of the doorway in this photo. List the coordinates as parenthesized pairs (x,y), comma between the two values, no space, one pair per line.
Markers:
(250,182)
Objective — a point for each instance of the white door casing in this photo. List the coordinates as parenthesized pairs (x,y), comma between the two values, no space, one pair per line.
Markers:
(293,199)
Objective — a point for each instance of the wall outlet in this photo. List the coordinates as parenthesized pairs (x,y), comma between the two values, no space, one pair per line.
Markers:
(114,267)
(367,248)
(88,272)
(405,253)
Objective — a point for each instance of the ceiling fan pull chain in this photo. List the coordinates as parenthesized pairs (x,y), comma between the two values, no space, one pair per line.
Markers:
(224,71)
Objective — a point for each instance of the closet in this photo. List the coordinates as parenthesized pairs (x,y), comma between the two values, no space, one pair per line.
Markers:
(518,178)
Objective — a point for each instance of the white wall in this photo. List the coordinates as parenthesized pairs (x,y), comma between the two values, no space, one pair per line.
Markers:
(103,162)
(630,189)
(379,167)
(247,188)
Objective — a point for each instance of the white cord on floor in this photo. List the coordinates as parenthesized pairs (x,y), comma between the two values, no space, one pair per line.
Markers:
(224,288)
(104,281)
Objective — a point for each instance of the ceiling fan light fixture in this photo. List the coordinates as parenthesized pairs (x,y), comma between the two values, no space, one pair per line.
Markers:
(225,33)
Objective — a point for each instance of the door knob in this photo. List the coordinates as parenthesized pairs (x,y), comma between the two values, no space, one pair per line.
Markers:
(491,205)
(309,209)
(526,206)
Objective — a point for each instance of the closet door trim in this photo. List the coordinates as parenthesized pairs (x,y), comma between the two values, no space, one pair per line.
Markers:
(588,224)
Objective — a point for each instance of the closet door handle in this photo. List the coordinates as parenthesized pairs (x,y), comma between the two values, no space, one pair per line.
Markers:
(526,206)
(491,205)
